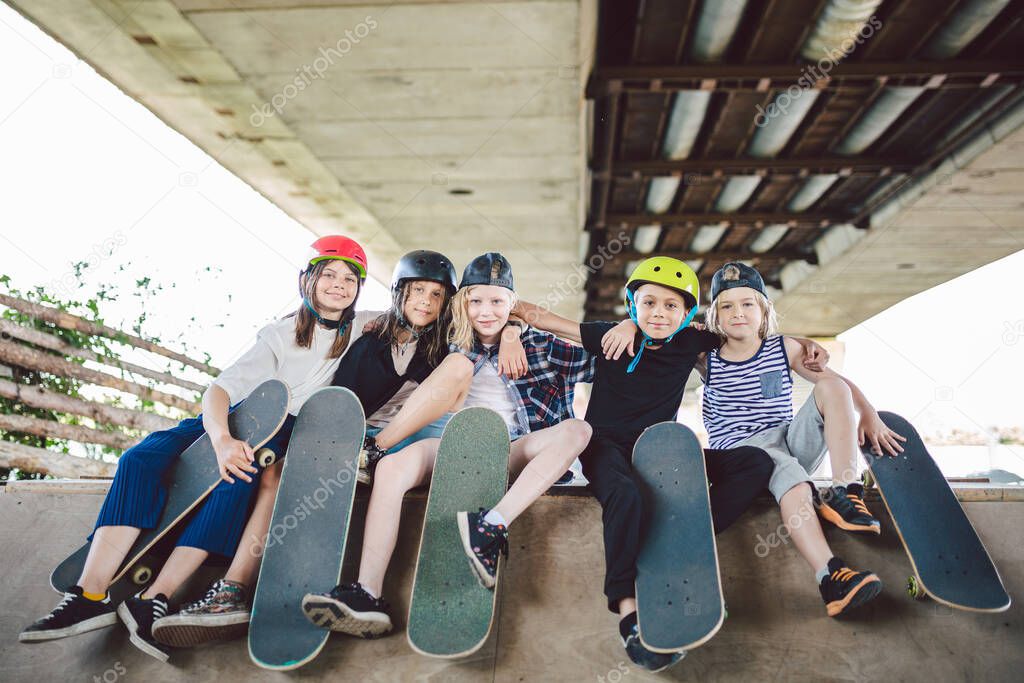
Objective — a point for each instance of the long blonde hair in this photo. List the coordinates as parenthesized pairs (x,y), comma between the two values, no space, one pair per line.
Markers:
(769,318)
(462,333)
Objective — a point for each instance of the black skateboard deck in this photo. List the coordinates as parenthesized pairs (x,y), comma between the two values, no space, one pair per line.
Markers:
(308,530)
(950,562)
(192,478)
(678,586)
(450,614)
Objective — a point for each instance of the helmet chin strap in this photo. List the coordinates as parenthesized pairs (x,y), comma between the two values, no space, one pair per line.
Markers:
(329,324)
(648,340)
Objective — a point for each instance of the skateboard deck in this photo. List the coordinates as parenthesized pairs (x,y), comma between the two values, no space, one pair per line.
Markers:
(950,562)
(450,614)
(678,586)
(191,478)
(308,529)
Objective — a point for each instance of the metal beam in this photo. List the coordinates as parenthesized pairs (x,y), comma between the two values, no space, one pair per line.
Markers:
(844,166)
(750,219)
(790,254)
(761,77)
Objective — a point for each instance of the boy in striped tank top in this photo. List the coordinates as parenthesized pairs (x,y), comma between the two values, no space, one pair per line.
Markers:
(748,398)
(631,393)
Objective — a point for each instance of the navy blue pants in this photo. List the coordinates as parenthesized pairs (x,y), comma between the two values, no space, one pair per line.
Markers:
(737,477)
(139,490)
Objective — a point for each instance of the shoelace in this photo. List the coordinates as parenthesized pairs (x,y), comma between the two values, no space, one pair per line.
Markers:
(858,503)
(68,597)
(844,574)
(500,539)
(356,587)
(210,593)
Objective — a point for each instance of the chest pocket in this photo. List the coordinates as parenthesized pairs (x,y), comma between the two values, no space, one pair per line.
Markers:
(543,396)
(771,383)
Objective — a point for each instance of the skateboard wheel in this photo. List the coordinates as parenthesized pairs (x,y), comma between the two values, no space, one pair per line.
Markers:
(915,589)
(266,457)
(868,480)
(141,575)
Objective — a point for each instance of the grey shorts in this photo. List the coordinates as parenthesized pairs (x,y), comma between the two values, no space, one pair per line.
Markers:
(796,448)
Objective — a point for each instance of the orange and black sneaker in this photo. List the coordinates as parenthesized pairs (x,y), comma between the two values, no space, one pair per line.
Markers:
(844,506)
(844,589)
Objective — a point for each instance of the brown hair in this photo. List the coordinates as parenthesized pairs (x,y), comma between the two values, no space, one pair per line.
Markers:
(434,343)
(305,321)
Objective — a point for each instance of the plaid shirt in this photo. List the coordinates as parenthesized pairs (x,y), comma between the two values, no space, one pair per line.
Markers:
(543,396)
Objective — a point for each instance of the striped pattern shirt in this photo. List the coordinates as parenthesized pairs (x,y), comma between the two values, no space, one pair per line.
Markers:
(746,397)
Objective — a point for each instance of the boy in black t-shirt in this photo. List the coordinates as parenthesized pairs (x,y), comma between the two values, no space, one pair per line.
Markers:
(631,394)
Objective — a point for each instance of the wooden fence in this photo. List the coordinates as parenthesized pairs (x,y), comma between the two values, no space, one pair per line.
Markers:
(27,348)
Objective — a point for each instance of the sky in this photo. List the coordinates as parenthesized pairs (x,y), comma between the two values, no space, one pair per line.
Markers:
(88,174)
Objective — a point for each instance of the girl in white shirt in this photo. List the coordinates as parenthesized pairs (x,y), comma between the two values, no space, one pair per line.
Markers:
(303,350)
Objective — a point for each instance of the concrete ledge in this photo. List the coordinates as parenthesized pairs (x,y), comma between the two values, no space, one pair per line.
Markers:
(965,491)
(553,624)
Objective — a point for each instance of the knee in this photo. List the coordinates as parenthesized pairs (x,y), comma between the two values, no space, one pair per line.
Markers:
(579,433)
(832,388)
(390,475)
(458,367)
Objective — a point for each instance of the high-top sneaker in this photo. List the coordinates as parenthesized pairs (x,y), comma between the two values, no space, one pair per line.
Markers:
(368,458)
(483,544)
(221,614)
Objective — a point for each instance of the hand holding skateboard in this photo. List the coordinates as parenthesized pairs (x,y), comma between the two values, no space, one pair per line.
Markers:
(234,457)
(872,430)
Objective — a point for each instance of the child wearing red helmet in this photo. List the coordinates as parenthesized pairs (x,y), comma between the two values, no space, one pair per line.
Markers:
(302,350)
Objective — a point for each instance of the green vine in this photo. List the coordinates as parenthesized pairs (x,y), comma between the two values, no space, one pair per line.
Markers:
(89,309)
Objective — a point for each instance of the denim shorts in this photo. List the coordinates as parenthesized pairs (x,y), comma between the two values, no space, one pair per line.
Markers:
(431,431)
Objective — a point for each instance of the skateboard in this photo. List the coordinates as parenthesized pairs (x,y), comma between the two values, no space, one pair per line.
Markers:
(678,584)
(451,613)
(308,529)
(950,562)
(192,478)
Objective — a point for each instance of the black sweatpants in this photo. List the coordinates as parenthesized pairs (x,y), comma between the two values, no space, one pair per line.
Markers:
(737,475)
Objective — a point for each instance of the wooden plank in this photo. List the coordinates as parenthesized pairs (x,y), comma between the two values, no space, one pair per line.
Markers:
(16,353)
(40,397)
(40,460)
(55,343)
(25,424)
(73,322)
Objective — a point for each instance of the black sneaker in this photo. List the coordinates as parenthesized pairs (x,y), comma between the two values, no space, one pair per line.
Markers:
(483,543)
(648,659)
(565,479)
(138,615)
(369,456)
(844,589)
(844,507)
(348,608)
(75,614)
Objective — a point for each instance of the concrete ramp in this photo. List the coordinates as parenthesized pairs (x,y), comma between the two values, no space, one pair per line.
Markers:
(553,625)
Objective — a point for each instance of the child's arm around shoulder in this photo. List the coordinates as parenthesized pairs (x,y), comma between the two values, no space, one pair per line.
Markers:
(870,427)
(545,320)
